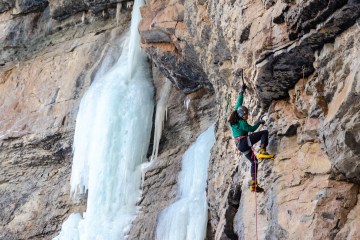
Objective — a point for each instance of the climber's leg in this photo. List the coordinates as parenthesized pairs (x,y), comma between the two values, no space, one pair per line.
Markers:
(243,147)
(260,135)
(264,137)
(254,164)
(254,187)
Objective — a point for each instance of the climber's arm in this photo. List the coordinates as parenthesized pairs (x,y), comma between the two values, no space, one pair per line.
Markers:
(239,101)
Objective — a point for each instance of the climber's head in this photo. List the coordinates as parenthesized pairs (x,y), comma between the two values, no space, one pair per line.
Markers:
(243,112)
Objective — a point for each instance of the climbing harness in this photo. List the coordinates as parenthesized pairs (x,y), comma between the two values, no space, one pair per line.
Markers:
(242,137)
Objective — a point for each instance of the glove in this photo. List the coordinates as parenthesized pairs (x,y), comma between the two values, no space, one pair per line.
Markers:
(243,88)
(260,120)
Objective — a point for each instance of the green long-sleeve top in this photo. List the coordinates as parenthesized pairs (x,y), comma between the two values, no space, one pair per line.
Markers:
(242,127)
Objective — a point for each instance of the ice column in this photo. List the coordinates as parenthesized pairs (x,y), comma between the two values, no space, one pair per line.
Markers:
(111,141)
(186,219)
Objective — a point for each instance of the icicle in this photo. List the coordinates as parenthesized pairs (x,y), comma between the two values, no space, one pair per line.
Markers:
(129,4)
(186,219)
(161,107)
(187,103)
(118,12)
(166,113)
(83,17)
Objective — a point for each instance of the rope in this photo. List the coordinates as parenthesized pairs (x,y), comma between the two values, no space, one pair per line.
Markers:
(256,214)
(255,179)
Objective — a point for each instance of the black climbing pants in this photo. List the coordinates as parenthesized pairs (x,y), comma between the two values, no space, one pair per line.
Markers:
(243,146)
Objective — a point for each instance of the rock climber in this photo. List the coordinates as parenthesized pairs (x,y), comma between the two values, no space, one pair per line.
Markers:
(244,141)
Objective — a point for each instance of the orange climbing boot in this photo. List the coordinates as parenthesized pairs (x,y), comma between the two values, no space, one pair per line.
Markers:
(264,154)
(254,187)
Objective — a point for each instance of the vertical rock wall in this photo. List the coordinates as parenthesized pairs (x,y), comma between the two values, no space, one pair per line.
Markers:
(300,61)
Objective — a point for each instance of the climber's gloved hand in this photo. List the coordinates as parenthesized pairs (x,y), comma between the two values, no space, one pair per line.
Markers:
(260,120)
(243,88)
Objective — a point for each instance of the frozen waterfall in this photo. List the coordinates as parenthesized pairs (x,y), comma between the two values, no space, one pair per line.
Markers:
(111,141)
(186,219)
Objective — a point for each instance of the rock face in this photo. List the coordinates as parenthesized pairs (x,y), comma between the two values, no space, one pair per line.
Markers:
(300,60)
(163,29)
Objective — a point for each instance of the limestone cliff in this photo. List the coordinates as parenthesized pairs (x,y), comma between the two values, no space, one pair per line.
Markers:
(300,60)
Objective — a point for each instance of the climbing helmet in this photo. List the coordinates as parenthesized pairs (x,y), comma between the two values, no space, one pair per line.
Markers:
(242,111)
